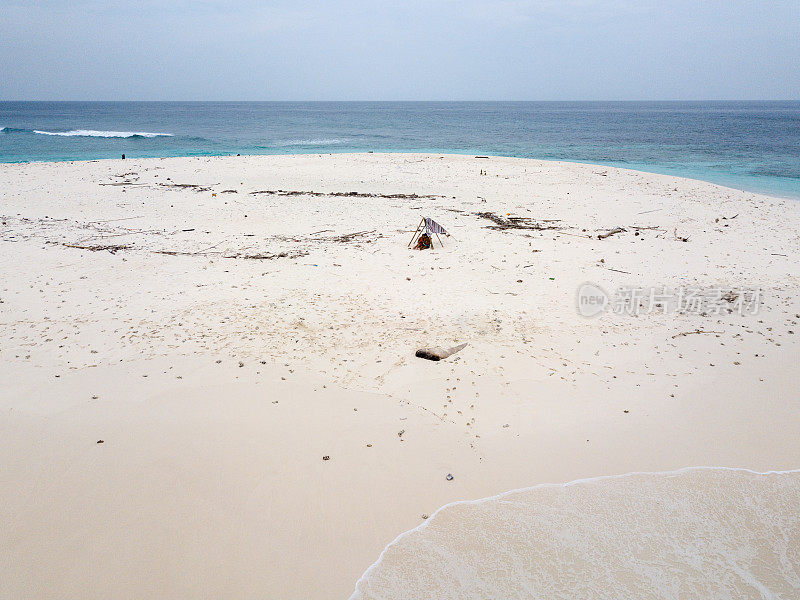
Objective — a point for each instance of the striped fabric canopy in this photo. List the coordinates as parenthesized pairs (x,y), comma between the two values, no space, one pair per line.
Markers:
(432,226)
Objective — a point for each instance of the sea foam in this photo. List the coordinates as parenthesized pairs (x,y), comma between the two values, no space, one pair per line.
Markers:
(311,142)
(104,134)
(696,533)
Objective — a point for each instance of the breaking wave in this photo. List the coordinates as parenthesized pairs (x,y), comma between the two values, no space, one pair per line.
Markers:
(104,134)
(708,533)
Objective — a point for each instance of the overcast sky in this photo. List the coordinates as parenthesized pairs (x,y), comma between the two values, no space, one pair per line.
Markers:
(399,49)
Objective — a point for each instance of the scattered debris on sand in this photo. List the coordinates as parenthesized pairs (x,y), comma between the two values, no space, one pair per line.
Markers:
(678,237)
(123,183)
(268,256)
(185,186)
(345,238)
(346,194)
(505,223)
(730,297)
(696,331)
(112,248)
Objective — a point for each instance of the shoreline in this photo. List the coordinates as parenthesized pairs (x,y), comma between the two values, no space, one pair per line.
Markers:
(222,336)
(418,577)
(646,169)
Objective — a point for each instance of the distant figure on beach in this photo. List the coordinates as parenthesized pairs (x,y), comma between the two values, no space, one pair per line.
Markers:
(423,243)
(123,157)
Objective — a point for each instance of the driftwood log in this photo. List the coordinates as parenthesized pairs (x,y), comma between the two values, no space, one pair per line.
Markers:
(438,353)
(603,236)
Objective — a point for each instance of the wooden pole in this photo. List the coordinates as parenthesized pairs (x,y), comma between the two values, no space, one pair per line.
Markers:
(416,231)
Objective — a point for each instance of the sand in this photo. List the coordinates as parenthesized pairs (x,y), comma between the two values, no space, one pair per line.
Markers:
(225,342)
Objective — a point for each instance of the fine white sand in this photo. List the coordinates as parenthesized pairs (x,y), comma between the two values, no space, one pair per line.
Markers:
(234,340)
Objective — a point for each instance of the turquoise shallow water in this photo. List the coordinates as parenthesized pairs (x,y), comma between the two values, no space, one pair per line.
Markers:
(746,145)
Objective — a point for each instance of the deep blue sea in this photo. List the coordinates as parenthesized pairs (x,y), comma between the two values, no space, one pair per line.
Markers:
(746,145)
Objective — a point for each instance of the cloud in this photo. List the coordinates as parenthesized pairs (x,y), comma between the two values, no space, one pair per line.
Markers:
(524,13)
(384,49)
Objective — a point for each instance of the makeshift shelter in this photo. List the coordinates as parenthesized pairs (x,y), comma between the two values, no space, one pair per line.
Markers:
(423,234)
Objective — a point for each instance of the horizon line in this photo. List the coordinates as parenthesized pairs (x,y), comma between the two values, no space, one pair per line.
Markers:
(421,101)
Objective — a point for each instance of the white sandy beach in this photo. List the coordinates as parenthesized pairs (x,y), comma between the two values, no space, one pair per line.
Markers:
(227,341)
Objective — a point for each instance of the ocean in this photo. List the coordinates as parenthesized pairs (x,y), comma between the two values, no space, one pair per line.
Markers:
(753,146)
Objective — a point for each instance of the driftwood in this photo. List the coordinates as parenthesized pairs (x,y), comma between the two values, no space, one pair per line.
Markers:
(185,186)
(178,253)
(438,353)
(111,248)
(574,234)
(203,252)
(616,230)
(505,223)
(90,223)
